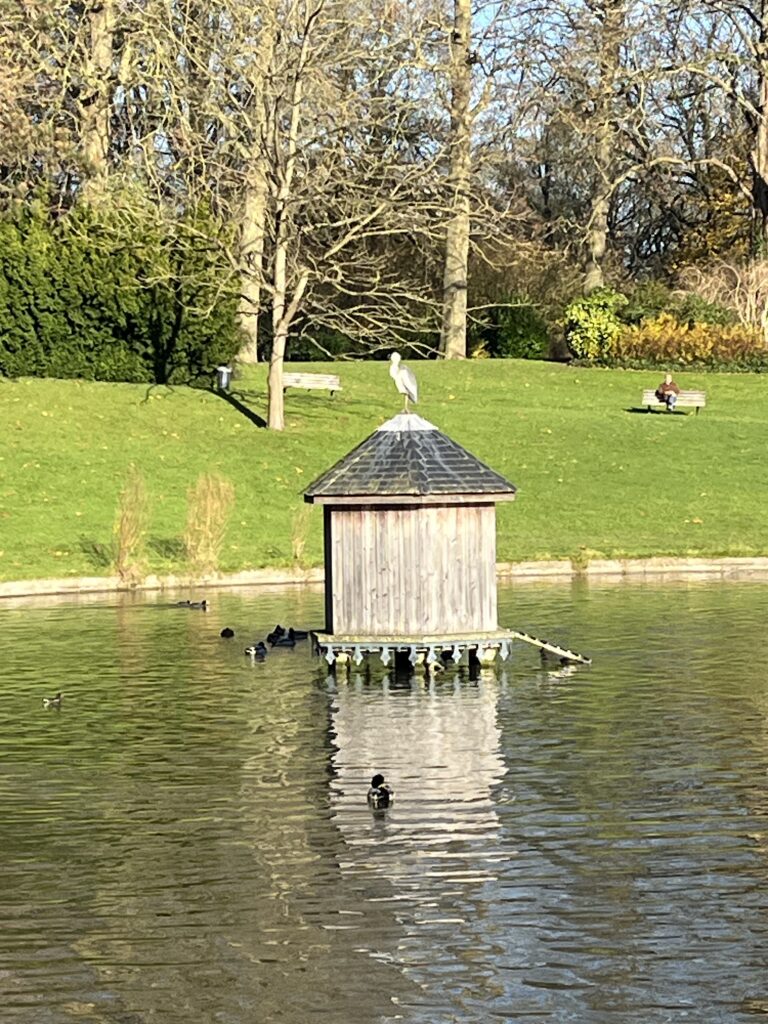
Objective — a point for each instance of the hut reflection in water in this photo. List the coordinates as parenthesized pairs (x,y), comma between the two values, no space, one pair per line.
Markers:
(438,845)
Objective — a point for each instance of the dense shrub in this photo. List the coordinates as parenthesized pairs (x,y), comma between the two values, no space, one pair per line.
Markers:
(665,340)
(112,298)
(652,298)
(592,325)
(693,309)
(645,301)
(655,325)
(514,330)
(32,313)
(319,345)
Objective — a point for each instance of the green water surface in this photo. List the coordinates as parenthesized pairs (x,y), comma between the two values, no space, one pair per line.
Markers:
(187,839)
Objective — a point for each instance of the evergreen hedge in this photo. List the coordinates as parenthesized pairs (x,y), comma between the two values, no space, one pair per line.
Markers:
(101,296)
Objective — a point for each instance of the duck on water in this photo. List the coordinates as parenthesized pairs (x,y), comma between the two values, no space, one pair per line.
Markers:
(257,651)
(380,794)
(280,637)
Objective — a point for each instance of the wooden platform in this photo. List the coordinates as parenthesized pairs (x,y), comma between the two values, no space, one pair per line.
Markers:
(427,650)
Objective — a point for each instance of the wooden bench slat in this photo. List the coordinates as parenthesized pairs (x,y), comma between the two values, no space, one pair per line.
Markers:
(692,399)
(312,381)
(324,377)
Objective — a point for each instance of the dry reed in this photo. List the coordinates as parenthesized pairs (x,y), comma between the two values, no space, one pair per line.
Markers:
(299,532)
(130,528)
(209,505)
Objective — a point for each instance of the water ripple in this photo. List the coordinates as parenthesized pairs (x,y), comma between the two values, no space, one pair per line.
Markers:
(187,837)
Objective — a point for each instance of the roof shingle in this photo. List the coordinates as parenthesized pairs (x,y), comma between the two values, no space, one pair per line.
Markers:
(408,456)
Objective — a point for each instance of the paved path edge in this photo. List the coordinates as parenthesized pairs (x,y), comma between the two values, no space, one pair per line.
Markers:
(627,568)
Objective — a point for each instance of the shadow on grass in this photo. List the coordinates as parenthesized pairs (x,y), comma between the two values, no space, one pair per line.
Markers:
(307,406)
(101,556)
(171,548)
(235,401)
(657,412)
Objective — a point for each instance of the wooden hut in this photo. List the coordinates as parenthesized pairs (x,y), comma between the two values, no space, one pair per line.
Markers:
(410,547)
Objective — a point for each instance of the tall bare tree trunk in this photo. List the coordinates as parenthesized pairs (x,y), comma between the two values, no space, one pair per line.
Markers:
(252,230)
(611,15)
(759,153)
(284,311)
(453,336)
(276,414)
(95,102)
(600,208)
(253,221)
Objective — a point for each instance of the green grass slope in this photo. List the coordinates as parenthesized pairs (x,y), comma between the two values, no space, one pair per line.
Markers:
(596,477)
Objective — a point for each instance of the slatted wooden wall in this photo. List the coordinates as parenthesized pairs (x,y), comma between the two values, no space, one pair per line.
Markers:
(411,570)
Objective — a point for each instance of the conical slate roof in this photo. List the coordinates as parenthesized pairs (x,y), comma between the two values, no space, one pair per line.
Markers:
(410,457)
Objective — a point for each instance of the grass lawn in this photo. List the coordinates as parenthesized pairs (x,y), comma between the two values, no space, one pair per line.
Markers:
(595,477)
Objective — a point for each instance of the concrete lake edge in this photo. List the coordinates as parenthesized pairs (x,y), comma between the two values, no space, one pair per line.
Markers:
(515,572)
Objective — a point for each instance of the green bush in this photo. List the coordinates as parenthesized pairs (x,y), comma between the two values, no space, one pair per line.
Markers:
(32,315)
(592,325)
(645,301)
(652,298)
(320,345)
(693,309)
(515,330)
(104,297)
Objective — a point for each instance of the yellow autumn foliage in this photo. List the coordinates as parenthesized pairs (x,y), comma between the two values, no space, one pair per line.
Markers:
(665,339)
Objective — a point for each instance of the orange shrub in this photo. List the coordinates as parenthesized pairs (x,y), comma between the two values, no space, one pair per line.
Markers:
(663,339)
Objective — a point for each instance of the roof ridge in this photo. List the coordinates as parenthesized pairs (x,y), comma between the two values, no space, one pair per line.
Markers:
(416,461)
(406,422)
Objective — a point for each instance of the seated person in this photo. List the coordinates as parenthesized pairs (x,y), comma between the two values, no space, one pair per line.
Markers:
(667,392)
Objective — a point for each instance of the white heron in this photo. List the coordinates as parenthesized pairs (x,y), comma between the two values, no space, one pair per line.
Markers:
(404,379)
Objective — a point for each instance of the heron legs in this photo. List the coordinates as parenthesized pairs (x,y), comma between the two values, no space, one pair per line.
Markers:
(405,403)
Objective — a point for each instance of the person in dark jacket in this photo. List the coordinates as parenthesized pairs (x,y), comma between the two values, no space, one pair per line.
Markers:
(667,392)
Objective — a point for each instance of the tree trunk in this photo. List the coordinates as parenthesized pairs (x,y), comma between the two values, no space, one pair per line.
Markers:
(283,311)
(453,336)
(611,14)
(252,230)
(759,154)
(253,223)
(95,104)
(276,415)
(597,230)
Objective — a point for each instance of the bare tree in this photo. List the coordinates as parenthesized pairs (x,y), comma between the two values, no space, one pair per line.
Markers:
(741,287)
(285,126)
(453,337)
(726,46)
(96,87)
(254,205)
(610,18)
(347,186)
(360,158)
(61,54)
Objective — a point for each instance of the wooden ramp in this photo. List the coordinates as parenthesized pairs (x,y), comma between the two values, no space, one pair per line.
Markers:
(550,648)
(429,649)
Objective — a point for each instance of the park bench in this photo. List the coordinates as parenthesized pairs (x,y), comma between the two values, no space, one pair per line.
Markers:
(312,382)
(693,399)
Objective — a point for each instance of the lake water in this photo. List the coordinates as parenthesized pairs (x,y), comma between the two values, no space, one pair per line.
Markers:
(187,839)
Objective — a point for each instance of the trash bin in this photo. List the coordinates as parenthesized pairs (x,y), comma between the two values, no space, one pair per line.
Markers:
(223,377)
